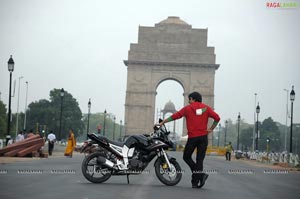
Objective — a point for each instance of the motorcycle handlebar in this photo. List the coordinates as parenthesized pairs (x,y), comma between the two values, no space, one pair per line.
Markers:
(155,128)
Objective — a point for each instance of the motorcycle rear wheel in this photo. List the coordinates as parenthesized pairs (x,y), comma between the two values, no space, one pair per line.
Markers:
(94,171)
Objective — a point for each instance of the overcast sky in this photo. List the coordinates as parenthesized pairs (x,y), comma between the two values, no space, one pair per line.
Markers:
(80,45)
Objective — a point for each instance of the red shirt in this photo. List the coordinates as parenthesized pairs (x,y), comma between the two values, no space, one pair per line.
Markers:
(196,115)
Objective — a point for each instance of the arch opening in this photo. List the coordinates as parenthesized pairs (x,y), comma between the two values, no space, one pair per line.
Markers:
(169,99)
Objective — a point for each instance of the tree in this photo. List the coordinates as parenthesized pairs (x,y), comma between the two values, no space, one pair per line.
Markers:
(269,129)
(246,138)
(71,115)
(296,139)
(45,114)
(232,132)
(40,113)
(3,120)
(97,119)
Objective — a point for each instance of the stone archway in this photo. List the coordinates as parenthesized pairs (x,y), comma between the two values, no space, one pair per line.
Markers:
(171,50)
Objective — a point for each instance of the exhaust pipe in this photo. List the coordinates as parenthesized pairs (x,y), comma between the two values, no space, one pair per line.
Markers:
(103,160)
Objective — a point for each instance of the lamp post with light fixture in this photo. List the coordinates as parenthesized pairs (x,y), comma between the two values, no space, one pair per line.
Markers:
(226,123)
(11,65)
(292,98)
(238,138)
(62,93)
(88,122)
(25,105)
(17,119)
(104,122)
(256,139)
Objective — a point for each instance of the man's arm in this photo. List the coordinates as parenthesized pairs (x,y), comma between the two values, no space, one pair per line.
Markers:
(169,119)
(216,118)
(175,116)
(213,126)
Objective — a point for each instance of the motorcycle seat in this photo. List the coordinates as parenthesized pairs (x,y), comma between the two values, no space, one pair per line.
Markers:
(102,139)
(121,144)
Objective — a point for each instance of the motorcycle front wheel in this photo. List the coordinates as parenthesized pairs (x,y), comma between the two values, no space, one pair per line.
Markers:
(168,176)
(94,171)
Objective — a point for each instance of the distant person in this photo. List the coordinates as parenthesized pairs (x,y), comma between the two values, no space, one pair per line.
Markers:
(51,140)
(71,144)
(196,115)
(30,134)
(25,133)
(11,141)
(228,149)
(8,140)
(20,137)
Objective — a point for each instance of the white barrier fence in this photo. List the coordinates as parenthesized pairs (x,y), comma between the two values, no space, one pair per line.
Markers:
(292,159)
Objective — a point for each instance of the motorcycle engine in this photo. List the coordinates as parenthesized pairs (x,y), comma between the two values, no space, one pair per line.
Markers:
(135,163)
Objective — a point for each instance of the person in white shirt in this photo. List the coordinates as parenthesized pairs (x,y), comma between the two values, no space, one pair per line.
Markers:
(8,140)
(51,139)
(20,137)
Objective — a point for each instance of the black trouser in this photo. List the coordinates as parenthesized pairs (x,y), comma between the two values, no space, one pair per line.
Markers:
(228,156)
(50,147)
(196,167)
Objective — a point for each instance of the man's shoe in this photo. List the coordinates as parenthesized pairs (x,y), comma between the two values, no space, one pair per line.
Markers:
(195,183)
(195,186)
(202,182)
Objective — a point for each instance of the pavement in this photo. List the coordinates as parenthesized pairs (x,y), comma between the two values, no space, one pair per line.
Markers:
(61,177)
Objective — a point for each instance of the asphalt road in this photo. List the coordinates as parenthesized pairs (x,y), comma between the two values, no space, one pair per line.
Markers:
(61,177)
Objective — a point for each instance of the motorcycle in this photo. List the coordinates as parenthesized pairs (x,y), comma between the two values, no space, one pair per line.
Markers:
(105,158)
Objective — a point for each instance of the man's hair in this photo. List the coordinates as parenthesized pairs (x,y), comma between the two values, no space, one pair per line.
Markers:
(195,96)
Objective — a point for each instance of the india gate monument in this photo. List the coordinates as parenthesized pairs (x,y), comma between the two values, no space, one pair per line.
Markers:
(171,50)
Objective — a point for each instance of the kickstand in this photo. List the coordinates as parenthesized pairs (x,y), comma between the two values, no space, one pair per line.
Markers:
(127,178)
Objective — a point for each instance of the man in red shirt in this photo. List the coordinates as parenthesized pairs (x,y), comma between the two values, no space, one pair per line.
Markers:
(196,114)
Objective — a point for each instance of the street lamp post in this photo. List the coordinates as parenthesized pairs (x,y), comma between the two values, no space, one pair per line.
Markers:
(88,124)
(254,122)
(268,145)
(120,129)
(212,139)
(256,139)
(114,127)
(219,134)
(17,119)
(11,65)
(25,105)
(104,122)
(286,119)
(62,93)
(238,138)
(226,123)
(292,98)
